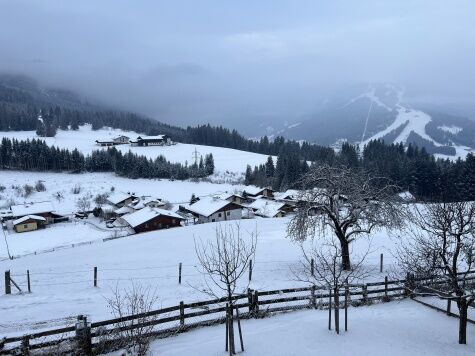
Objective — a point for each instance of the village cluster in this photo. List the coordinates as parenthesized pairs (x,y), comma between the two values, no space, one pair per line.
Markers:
(139,214)
(140,141)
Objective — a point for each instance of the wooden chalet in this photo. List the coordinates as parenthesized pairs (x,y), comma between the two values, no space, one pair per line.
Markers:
(254,192)
(150,219)
(119,199)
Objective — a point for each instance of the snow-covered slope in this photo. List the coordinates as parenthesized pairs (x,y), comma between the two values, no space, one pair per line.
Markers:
(225,159)
(380,111)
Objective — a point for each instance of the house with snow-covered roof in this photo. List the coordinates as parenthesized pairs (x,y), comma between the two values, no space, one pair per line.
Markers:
(269,208)
(150,219)
(254,192)
(43,209)
(28,223)
(159,140)
(213,209)
(119,199)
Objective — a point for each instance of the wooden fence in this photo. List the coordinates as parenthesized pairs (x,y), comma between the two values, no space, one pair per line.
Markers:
(184,316)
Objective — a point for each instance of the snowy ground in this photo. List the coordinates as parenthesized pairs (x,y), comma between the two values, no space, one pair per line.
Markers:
(225,159)
(396,328)
(62,281)
(91,184)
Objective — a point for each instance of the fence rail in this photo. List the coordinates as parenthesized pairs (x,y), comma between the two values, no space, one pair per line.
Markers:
(184,316)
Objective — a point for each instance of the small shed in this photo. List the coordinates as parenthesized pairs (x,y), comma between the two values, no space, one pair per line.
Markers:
(29,223)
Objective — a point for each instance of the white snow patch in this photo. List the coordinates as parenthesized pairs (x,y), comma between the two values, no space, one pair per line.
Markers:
(451,129)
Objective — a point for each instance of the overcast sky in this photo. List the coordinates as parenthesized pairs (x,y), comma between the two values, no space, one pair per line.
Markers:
(199,60)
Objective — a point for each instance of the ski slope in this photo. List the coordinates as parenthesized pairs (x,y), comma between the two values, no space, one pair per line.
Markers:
(225,159)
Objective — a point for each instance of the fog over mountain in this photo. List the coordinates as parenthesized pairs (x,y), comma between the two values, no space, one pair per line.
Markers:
(245,64)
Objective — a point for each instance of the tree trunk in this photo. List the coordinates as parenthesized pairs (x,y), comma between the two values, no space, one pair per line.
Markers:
(462,305)
(231,326)
(345,254)
(336,293)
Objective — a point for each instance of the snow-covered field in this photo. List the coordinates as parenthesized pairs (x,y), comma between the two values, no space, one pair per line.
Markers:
(392,329)
(225,159)
(62,281)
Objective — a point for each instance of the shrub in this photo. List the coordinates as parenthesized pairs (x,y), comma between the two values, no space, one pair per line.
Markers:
(40,187)
(27,190)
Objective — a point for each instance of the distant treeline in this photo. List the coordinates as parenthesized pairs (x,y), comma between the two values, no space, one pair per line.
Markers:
(36,155)
(25,118)
(410,168)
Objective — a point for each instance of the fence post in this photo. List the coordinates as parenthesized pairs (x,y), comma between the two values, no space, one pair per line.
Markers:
(95,276)
(386,297)
(312,267)
(8,286)
(313,299)
(381,257)
(409,285)
(249,300)
(83,335)
(256,303)
(28,280)
(449,304)
(329,308)
(365,293)
(25,345)
(250,270)
(182,314)
(179,273)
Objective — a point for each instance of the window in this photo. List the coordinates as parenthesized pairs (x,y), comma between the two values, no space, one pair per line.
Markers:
(228,213)
(213,220)
(146,226)
(219,215)
(25,226)
(173,221)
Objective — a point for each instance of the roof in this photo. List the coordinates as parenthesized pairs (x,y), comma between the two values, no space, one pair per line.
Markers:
(32,208)
(28,217)
(146,214)
(123,210)
(158,137)
(119,197)
(266,207)
(226,196)
(147,200)
(289,194)
(254,190)
(207,206)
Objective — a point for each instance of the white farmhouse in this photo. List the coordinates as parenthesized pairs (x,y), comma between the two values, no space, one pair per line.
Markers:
(213,209)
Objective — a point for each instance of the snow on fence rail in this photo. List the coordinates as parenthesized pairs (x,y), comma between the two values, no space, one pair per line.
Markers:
(182,317)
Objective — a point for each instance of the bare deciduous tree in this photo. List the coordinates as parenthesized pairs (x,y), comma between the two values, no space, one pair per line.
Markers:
(349,202)
(223,261)
(84,203)
(134,335)
(321,266)
(440,247)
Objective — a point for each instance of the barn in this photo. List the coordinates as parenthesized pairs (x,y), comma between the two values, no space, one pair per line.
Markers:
(150,219)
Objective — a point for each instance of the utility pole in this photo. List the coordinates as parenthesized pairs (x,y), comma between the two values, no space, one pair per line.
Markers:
(195,156)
